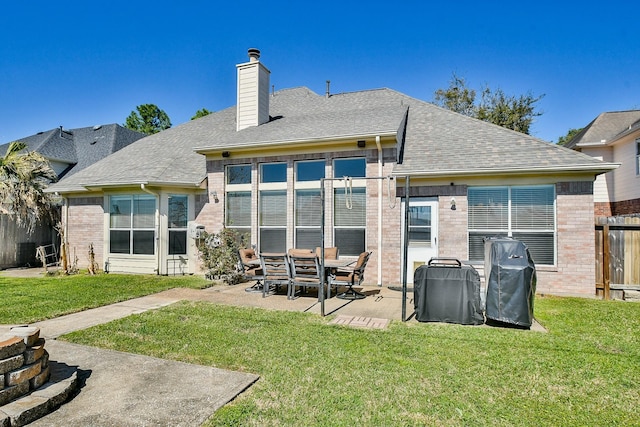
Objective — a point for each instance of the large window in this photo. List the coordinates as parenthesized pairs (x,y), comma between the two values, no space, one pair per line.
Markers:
(526,213)
(353,167)
(350,206)
(312,170)
(272,207)
(178,217)
(308,203)
(239,174)
(237,208)
(350,220)
(273,221)
(132,224)
(308,218)
(273,172)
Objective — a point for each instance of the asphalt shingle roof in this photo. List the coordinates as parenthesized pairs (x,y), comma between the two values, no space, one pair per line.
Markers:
(79,147)
(437,141)
(606,127)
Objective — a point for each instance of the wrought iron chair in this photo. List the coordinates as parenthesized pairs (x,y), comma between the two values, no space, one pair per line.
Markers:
(350,277)
(305,272)
(276,272)
(251,268)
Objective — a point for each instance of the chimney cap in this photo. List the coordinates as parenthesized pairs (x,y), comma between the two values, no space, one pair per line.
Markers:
(254,54)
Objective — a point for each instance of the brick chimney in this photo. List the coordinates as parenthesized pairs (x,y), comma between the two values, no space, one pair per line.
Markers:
(252,108)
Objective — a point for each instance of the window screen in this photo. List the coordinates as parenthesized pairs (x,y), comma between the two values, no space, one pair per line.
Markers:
(132,221)
(526,213)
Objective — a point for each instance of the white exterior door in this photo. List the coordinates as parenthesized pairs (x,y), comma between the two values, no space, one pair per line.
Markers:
(423,233)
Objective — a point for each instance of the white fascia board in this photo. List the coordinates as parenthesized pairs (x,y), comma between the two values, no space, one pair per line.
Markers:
(285,142)
(605,167)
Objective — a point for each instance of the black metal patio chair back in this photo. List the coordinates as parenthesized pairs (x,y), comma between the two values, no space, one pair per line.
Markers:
(276,272)
(251,270)
(350,277)
(305,272)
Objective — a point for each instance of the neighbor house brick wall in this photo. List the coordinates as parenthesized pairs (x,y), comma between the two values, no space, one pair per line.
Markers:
(85,226)
(602,209)
(625,207)
(574,273)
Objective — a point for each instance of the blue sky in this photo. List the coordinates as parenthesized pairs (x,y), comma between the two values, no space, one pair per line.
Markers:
(77,64)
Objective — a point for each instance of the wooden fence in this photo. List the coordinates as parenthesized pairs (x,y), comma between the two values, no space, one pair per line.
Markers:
(617,255)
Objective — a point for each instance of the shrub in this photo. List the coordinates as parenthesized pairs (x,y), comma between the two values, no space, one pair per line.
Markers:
(219,255)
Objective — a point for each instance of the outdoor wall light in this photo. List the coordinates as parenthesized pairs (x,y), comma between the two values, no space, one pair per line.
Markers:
(214,195)
(362,143)
(226,154)
(453,204)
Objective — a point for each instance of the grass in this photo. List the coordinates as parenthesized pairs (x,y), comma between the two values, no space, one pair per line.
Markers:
(28,300)
(585,371)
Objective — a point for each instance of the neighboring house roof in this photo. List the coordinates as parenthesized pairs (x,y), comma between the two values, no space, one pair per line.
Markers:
(81,147)
(606,128)
(437,142)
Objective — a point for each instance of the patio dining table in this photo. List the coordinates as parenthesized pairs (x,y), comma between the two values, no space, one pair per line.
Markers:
(328,264)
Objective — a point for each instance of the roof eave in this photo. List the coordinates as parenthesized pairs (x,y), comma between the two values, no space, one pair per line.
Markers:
(337,139)
(599,169)
(114,185)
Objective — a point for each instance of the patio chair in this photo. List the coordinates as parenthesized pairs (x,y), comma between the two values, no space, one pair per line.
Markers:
(329,253)
(251,268)
(299,252)
(350,277)
(305,272)
(276,272)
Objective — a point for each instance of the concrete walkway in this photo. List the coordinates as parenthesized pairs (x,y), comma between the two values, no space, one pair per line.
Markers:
(124,389)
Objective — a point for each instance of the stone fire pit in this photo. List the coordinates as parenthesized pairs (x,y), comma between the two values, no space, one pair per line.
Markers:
(26,392)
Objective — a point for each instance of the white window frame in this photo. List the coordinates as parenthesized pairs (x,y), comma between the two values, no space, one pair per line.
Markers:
(131,228)
(509,228)
(264,189)
(306,186)
(181,228)
(244,188)
(358,184)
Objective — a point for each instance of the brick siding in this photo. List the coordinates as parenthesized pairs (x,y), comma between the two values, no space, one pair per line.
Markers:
(86,219)
(625,207)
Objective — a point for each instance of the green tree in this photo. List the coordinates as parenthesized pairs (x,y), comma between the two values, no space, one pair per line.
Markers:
(201,113)
(569,136)
(457,97)
(148,119)
(512,112)
(24,176)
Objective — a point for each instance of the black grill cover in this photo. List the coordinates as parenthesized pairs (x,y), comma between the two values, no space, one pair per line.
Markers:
(445,292)
(510,276)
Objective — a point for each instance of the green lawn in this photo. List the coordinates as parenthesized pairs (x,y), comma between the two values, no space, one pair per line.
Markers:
(28,300)
(584,372)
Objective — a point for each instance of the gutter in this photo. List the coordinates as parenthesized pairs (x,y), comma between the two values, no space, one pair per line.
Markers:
(157,221)
(605,167)
(277,143)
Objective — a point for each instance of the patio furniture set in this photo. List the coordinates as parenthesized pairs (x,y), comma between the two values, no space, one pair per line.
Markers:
(299,269)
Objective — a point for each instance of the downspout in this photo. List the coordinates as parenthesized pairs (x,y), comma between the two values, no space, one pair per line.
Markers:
(380,170)
(157,221)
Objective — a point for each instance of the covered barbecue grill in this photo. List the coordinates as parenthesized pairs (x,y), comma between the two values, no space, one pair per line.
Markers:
(447,291)
(510,276)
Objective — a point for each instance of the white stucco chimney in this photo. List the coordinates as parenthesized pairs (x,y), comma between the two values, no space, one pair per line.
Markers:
(252,108)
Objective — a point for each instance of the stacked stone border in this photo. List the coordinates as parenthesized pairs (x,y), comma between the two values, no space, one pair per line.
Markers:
(28,389)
